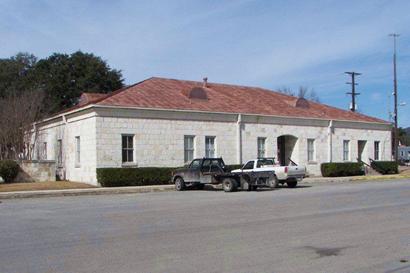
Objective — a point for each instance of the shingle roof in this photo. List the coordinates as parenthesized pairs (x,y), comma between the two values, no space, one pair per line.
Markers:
(162,93)
(87,98)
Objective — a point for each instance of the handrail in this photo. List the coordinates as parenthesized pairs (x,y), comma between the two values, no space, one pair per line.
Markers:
(361,161)
(293,162)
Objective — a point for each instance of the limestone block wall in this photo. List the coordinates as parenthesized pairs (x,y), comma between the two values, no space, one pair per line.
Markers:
(37,171)
(272,131)
(160,142)
(83,126)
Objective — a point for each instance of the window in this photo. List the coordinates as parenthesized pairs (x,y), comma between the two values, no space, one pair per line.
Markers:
(311,149)
(44,151)
(377,150)
(346,152)
(77,151)
(248,166)
(261,147)
(195,164)
(59,152)
(189,148)
(209,146)
(127,148)
(264,162)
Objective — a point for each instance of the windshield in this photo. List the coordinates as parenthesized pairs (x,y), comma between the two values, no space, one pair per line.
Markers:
(265,162)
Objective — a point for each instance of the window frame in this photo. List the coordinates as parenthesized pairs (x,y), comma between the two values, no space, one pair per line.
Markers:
(312,157)
(347,157)
(128,149)
(59,152)
(77,151)
(252,163)
(376,150)
(44,151)
(207,151)
(261,140)
(189,152)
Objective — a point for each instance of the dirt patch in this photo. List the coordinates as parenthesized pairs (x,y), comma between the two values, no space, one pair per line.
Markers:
(36,186)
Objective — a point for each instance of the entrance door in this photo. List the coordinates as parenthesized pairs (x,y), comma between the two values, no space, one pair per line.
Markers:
(361,144)
(286,146)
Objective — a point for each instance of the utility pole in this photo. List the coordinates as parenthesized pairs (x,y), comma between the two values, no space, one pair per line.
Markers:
(353,93)
(396,133)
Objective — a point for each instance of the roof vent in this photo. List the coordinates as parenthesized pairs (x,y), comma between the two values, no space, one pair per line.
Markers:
(196,93)
(302,103)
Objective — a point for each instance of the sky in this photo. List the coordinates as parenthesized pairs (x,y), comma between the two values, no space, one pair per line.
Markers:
(270,44)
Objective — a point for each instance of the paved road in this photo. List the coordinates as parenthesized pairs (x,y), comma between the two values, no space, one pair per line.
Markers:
(321,228)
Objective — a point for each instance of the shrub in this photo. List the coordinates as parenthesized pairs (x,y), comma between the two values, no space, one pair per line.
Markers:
(8,170)
(385,167)
(119,177)
(341,169)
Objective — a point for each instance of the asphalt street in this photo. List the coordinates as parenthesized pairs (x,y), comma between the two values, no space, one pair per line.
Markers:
(351,227)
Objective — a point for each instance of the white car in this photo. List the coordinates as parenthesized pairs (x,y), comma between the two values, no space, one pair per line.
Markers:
(290,175)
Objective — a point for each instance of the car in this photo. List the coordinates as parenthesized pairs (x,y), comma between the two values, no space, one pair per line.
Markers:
(290,175)
(204,171)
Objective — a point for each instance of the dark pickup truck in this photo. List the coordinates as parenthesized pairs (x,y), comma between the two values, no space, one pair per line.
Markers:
(214,171)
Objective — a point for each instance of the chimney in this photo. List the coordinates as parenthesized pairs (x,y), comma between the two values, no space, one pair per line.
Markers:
(205,82)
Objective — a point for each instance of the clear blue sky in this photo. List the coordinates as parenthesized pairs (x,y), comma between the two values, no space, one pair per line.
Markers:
(270,44)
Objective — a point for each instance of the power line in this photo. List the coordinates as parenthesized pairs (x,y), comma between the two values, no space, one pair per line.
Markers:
(353,93)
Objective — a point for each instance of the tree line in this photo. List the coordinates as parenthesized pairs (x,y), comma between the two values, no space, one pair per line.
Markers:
(32,88)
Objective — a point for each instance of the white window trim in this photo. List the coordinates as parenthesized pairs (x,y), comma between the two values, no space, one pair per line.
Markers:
(214,146)
(133,162)
(193,148)
(313,160)
(59,157)
(77,151)
(378,150)
(348,150)
(264,147)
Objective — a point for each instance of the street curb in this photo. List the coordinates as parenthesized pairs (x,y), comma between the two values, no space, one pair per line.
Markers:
(80,192)
(352,178)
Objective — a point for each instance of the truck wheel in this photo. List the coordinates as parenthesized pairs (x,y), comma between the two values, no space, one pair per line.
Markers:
(229,185)
(292,184)
(179,184)
(273,182)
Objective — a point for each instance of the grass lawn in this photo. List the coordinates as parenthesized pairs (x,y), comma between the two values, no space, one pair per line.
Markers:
(35,186)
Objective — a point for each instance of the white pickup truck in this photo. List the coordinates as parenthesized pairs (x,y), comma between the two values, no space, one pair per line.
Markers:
(284,174)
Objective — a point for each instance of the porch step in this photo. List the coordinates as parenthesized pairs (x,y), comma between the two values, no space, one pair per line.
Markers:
(370,171)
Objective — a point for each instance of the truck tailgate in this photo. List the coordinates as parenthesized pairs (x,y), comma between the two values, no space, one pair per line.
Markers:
(296,171)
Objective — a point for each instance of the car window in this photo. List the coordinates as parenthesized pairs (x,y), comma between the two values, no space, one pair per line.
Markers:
(195,164)
(264,162)
(248,166)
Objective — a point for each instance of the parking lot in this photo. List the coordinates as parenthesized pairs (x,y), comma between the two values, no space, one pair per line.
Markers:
(351,227)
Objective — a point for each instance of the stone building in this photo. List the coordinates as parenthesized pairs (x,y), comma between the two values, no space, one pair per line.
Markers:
(166,122)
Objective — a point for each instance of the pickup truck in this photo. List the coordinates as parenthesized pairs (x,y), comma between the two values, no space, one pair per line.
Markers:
(214,171)
(283,174)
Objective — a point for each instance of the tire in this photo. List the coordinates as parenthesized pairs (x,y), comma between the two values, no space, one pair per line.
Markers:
(179,184)
(229,185)
(273,182)
(292,184)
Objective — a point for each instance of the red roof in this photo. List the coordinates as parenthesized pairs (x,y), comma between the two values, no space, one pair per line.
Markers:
(87,98)
(161,93)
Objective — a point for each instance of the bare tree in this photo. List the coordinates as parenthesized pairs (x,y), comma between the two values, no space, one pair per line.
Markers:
(18,112)
(303,92)
(286,90)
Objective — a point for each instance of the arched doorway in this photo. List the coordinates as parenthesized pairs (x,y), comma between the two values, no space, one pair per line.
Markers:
(286,149)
